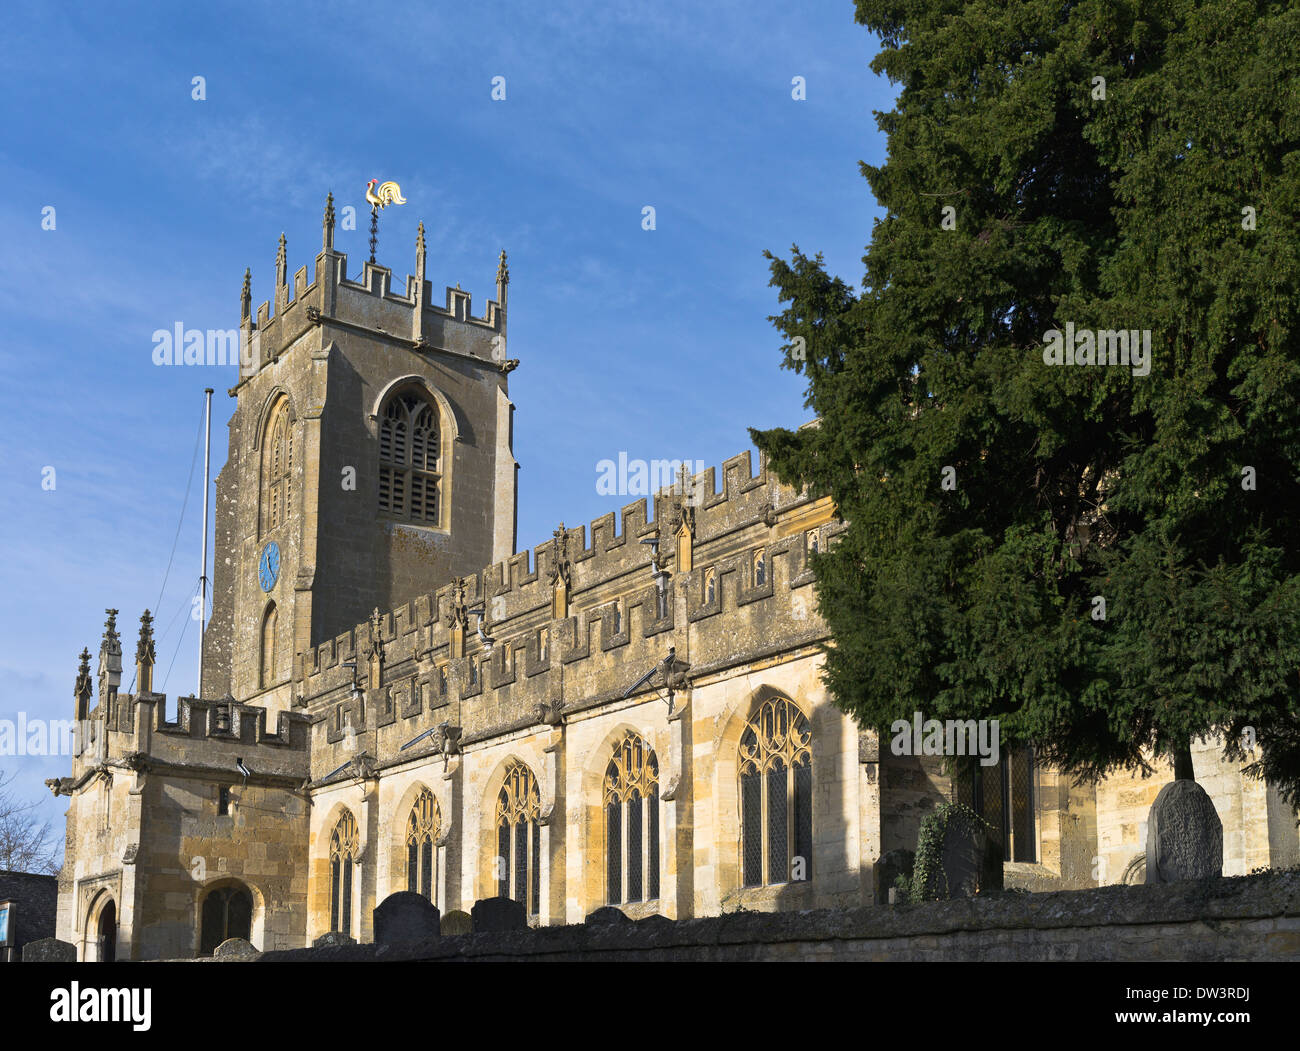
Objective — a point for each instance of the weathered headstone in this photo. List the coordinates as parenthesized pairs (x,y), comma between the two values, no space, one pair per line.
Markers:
(889,866)
(498,914)
(972,860)
(958,856)
(1184,835)
(662,930)
(405,917)
(234,947)
(606,916)
(49,950)
(457,922)
(333,938)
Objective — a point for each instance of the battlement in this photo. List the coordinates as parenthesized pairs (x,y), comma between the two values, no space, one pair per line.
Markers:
(213,733)
(616,614)
(597,557)
(370,306)
(375,282)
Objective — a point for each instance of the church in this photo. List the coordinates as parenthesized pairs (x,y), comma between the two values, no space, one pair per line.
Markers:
(395,698)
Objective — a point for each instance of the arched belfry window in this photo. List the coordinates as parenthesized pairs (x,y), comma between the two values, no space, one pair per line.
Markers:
(410,459)
(519,848)
(423,828)
(277,467)
(631,800)
(776,795)
(267,662)
(343,858)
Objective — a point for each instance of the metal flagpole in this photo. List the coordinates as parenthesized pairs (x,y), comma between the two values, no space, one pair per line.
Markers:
(203,576)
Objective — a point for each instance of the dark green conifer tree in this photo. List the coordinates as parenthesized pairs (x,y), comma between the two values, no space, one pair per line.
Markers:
(1114,165)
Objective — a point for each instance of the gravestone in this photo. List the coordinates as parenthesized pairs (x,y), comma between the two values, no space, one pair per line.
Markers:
(964,861)
(49,950)
(234,947)
(405,917)
(457,922)
(972,860)
(333,938)
(1184,835)
(498,914)
(606,916)
(889,866)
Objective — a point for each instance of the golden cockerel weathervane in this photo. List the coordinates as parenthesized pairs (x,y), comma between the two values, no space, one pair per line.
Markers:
(388,193)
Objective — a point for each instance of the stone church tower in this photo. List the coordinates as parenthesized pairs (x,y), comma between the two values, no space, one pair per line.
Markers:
(370,460)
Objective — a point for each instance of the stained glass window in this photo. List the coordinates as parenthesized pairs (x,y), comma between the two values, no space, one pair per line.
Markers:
(776,795)
(519,837)
(631,801)
(1004,796)
(423,827)
(343,857)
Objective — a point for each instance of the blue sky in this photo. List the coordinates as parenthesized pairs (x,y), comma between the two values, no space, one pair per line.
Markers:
(653,343)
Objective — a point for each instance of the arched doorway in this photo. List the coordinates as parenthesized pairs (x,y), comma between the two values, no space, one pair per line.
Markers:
(227,913)
(106,939)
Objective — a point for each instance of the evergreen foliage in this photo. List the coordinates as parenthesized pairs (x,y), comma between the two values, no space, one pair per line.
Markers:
(1127,211)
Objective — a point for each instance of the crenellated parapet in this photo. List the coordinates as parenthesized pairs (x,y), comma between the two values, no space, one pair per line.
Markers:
(133,730)
(371,305)
(745,538)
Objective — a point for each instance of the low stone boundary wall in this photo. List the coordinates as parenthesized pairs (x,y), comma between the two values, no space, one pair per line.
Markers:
(1217,920)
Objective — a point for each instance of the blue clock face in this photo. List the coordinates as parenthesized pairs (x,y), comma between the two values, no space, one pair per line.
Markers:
(268,568)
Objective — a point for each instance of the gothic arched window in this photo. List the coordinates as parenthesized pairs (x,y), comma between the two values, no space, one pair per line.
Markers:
(710,587)
(266,671)
(519,845)
(422,830)
(343,858)
(631,800)
(760,569)
(410,471)
(776,795)
(277,467)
